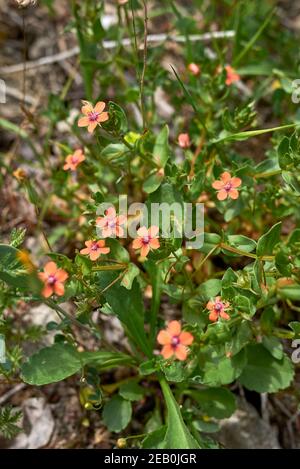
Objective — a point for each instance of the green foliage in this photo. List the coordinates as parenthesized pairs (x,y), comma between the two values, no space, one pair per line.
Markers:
(264,374)
(8,420)
(117,414)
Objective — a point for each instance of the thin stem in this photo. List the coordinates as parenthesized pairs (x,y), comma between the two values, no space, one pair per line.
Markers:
(142,81)
(254,38)
(113,282)
(245,253)
(155,303)
(196,154)
(268,174)
(205,259)
(67,315)
(109,267)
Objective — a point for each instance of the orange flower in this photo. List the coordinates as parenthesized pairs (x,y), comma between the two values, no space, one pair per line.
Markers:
(93,116)
(110,224)
(174,341)
(194,69)
(232,75)
(184,140)
(94,249)
(218,309)
(72,161)
(53,279)
(20,174)
(147,240)
(226,187)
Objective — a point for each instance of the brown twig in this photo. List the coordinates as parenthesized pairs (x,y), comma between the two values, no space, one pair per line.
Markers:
(196,154)
(152,38)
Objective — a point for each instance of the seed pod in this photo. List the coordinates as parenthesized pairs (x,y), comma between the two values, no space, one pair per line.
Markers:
(25,3)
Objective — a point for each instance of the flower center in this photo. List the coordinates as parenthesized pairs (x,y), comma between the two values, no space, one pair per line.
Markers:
(74,159)
(111,223)
(94,246)
(93,116)
(175,341)
(146,239)
(228,187)
(218,306)
(51,279)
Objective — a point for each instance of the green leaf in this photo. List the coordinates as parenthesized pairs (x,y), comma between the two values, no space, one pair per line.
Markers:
(241,338)
(211,241)
(117,414)
(263,373)
(175,371)
(114,151)
(282,262)
(215,402)
(284,157)
(273,345)
(177,435)
(155,439)
(55,363)
(161,147)
(294,238)
(103,360)
(295,326)
(222,370)
(16,129)
(128,306)
(240,136)
(11,269)
(205,427)
(292,180)
(241,242)
(190,99)
(117,251)
(268,241)
(290,292)
(244,305)
(153,182)
(209,289)
(51,364)
(148,368)
(9,417)
(131,391)
(131,273)
(117,117)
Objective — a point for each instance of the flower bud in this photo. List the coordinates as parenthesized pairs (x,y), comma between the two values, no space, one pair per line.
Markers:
(194,69)
(184,140)
(121,443)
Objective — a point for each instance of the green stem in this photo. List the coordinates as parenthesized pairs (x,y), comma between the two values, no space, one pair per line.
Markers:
(205,259)
(155,304)
(244,253)
(100,268)
(268,174)
(254,38)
